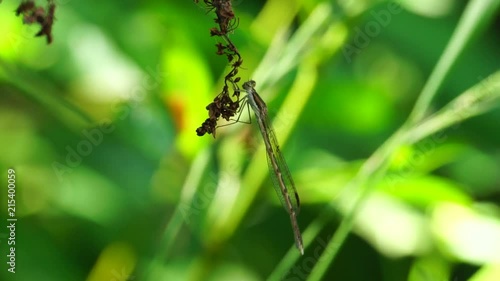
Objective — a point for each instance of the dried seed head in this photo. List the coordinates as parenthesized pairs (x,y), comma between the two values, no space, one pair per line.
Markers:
(24,7)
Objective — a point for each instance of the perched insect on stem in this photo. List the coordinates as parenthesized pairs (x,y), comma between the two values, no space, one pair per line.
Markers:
(278,169)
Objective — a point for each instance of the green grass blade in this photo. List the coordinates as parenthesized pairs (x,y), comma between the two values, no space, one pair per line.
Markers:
(181,213)
(477,100)
(477,14)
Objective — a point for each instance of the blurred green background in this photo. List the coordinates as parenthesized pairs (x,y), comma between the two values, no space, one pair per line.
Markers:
(113,183)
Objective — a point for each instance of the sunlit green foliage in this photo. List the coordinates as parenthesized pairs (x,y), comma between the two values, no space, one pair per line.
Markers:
(387,113)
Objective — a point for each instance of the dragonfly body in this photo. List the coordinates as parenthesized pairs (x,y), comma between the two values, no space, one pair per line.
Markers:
(282,179)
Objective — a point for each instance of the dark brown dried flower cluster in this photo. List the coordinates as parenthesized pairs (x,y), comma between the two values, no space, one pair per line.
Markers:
(33,14)
(223,104)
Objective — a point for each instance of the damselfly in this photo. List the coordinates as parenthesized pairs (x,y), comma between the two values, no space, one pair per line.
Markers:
(282,179)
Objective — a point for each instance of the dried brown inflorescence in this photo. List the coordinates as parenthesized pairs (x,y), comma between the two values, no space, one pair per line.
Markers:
(223,105)
(36,14)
